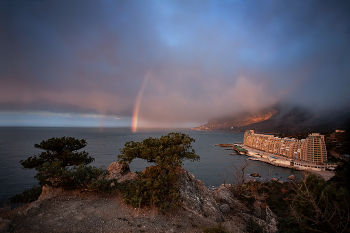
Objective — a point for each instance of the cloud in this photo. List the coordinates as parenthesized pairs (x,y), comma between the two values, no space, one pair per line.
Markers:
(183,98)
(207,58)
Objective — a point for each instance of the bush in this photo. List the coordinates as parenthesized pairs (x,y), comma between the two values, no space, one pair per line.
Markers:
(321,207)
(152,188)
(287,225)
(157,186)
(103,185)
(253,227)
(62,165)
(28,195)
(76,177)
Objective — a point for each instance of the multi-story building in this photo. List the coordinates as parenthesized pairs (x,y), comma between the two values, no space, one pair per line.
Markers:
(312,149)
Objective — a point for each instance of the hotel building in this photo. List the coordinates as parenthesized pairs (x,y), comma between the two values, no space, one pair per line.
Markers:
(312,149)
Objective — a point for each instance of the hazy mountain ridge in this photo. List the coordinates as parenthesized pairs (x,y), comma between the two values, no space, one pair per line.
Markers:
(279,119)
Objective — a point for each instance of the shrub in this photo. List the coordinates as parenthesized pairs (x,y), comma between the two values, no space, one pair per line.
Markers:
(152,188)
(157,186)
(253,227)
(28,195)
(321,207)
(62,165)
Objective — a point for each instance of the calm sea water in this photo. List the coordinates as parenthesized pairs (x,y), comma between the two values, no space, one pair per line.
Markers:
(17,143)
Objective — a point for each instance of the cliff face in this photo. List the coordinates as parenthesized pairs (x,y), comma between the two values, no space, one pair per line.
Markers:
(281,120)
(237,121)
(73,211)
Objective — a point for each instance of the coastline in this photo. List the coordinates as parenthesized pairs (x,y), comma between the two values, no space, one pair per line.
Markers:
(326,175)
(257,155)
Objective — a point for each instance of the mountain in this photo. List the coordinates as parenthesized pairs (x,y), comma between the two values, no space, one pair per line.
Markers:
(280,119)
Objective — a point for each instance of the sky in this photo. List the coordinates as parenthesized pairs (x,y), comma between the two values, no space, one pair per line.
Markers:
(155,63)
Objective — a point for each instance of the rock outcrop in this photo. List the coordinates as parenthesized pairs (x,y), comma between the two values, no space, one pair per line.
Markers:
(255,174)
(238,214)
(197,200)
(120,172)
(196,197)
(49,192)
(221,205)
(224,195)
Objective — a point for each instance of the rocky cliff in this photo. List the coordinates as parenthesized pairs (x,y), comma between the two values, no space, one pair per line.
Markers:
(221,205)
(72,211)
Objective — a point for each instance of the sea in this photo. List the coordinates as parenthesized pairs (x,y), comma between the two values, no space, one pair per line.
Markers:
(215,167)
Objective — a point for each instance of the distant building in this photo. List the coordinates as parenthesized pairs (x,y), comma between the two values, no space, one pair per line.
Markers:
(339,131)
(312,149)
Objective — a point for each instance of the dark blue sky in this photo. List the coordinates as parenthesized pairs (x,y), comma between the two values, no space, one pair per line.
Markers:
(84,62)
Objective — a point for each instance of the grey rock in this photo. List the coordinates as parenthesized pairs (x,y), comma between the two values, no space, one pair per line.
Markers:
(224,195)
(238,211)
(196,197)
(225,208)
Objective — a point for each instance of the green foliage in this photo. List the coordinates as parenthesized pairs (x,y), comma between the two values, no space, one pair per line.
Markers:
(103,185)
(157,186)
(62,150)
(52,164)
(287,225)
(167,151)
(342,175)
(27,195)
(217,229)
(321,207)
(76,177)
(279,197)
(62,165)
(153,188)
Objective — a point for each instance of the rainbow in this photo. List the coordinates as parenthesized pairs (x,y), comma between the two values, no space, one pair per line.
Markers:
(137,104)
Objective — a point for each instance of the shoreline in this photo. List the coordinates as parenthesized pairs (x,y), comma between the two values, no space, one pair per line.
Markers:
(326,175)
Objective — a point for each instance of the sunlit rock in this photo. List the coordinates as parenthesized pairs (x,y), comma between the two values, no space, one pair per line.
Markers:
(120,172)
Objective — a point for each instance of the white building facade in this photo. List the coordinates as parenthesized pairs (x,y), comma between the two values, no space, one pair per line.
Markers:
(312,149)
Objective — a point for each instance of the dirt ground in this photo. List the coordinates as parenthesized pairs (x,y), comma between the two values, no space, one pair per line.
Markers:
(91,212)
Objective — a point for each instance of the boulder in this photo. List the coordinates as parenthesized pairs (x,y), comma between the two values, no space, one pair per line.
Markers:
(120,172)
(225,208)
(280,181)
(196,197)
(274,179)
(255,174)
(224,195)
(291,177)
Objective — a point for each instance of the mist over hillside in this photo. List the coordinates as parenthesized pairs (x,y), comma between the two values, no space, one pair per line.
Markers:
(281,119)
